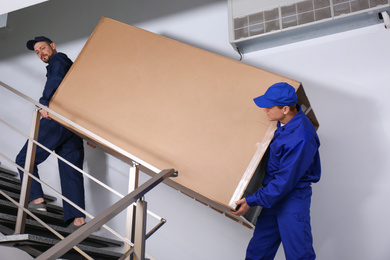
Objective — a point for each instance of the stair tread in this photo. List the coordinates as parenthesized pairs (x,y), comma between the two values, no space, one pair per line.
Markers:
(8,207)
(35,240)
(50,206)
(7,171)
(9,186)
(32,224)
(9,204)
(9,178)
(15,187)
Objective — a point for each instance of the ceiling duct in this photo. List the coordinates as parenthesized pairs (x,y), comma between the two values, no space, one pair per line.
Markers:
(253,27)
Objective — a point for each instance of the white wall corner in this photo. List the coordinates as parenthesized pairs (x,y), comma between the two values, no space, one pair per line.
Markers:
(3,20)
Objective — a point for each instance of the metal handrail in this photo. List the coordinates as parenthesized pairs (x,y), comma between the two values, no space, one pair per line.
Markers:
(83,232)
(64,198)
(136,161)
(69,164)
(84,130)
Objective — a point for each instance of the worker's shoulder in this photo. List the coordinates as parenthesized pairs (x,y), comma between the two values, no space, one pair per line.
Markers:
(60,57)
(305,129)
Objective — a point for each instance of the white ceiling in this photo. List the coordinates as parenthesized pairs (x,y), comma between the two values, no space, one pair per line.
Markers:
(7,6)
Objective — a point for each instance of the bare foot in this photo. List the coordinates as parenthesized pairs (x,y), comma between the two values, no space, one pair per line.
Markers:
(39,200)
(79,221)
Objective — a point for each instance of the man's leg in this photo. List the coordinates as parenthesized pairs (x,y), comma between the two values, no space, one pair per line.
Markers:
(266,239)
(45,131)
(36,188)
(294,225)
(72,182)
(296,236)
(51,135)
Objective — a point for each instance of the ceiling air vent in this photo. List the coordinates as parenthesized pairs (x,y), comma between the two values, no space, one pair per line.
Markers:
(265,27)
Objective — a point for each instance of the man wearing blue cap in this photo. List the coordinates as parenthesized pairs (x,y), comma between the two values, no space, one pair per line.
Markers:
(56,138)
(293,164)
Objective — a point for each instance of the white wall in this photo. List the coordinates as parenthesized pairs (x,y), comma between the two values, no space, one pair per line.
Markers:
(345,77)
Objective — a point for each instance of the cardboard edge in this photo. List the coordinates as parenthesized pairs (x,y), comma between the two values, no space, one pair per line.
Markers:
(248,174)
(222,209)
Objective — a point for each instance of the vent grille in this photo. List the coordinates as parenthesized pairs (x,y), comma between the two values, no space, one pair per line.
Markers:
(301,13)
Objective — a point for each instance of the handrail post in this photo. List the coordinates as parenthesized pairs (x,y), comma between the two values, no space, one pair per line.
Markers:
(29,166)
(130,212)
(84,231)
(140,230)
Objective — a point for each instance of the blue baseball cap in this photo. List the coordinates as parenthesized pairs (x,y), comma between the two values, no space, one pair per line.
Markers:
(279,94)
(30,44)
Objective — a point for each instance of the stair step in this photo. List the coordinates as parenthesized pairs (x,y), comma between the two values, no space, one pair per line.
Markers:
(9,178)
(9,181)
(41,244)
(35,228)
(9,172)
(37,238)
(51,207)
(13,195)
(49,217)
(15,188)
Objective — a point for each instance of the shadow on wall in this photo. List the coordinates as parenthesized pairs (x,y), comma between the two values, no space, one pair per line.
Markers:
(70,20)
(354,154)
(97,167)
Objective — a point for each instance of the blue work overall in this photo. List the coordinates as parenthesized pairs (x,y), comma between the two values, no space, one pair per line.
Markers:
(69,146)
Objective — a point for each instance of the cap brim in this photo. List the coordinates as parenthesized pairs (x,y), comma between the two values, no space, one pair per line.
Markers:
(263,102)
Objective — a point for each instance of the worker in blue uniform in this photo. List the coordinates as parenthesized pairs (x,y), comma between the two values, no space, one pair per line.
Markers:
(57,138)
(293,164)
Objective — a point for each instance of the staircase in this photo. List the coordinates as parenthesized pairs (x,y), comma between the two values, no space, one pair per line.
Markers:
(38,239)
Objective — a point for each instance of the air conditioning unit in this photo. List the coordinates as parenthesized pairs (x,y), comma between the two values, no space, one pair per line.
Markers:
(255,25)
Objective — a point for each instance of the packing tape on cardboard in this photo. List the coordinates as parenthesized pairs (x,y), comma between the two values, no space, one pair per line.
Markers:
(261,148)
(307,111)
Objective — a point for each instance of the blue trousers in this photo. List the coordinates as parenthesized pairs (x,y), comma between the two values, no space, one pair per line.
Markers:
(66,144)
(289,223)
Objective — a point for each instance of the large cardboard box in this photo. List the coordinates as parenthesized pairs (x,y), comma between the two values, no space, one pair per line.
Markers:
(172,106)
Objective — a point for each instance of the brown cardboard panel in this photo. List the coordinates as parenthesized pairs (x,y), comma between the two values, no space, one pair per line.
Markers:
(173,106)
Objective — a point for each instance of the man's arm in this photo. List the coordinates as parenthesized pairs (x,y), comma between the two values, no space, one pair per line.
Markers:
(293,166)
(292,170)
(58,67)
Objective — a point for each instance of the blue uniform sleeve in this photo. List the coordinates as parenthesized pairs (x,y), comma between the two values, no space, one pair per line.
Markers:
(56,71)
(294,164)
